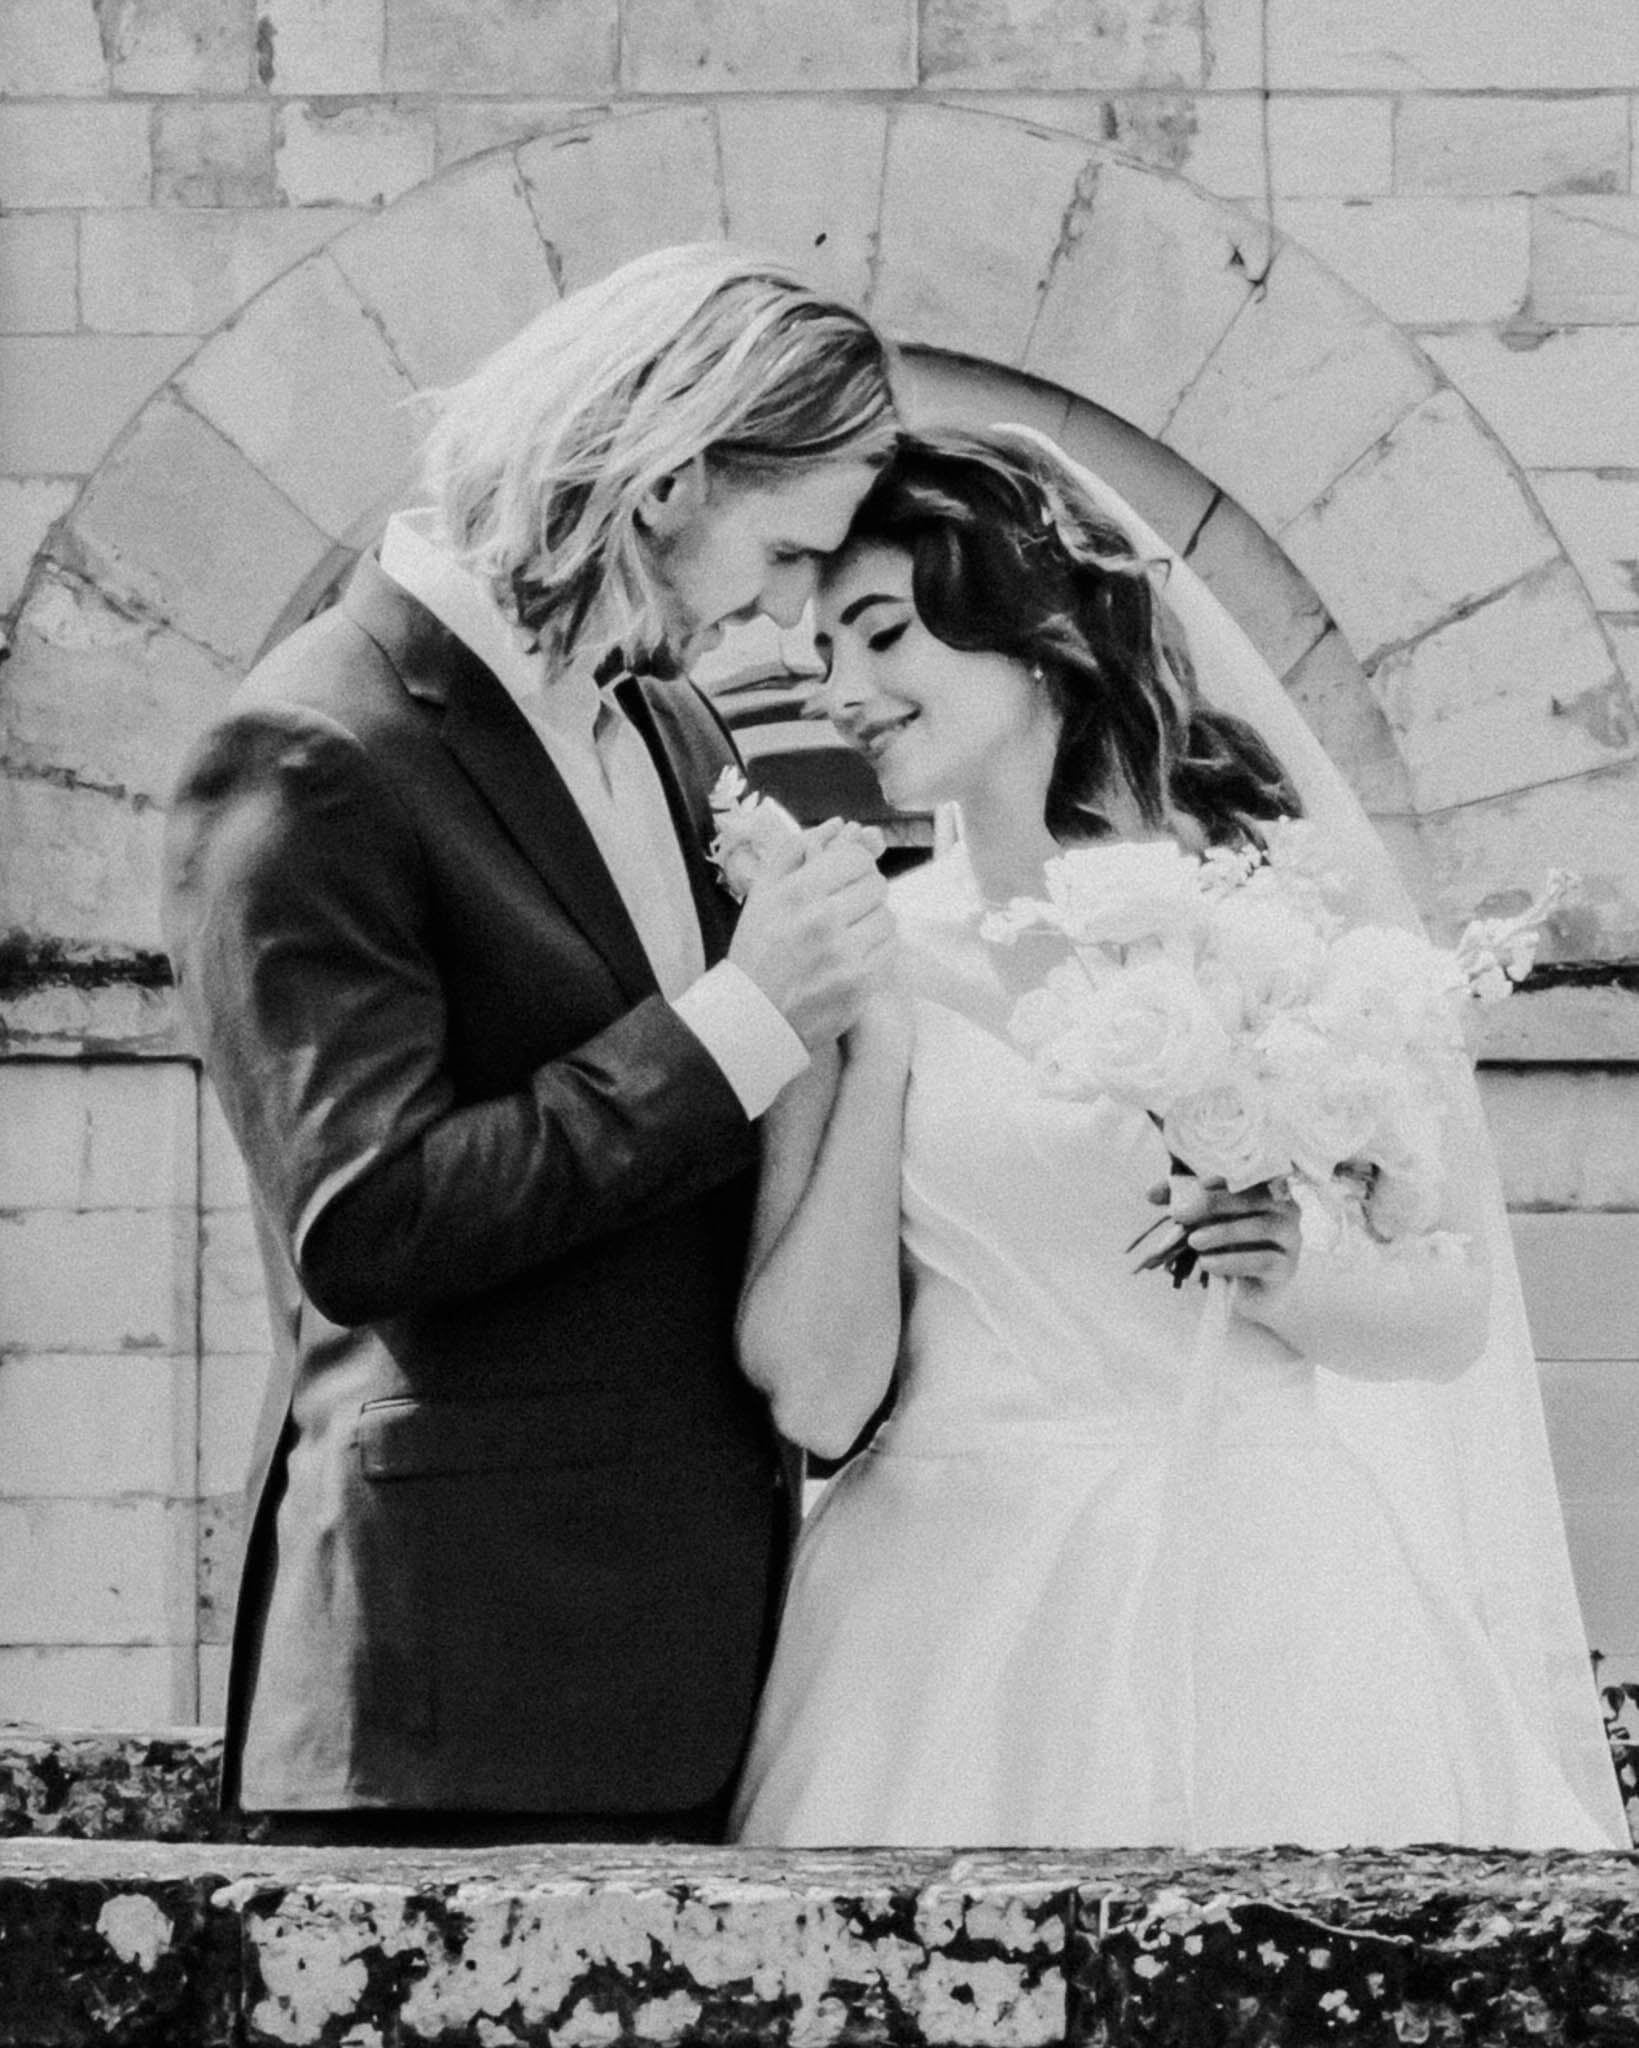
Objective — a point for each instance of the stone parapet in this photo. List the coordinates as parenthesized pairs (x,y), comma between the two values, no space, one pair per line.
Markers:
(198,1945)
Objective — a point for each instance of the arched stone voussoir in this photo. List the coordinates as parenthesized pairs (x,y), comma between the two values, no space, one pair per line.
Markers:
(802,180)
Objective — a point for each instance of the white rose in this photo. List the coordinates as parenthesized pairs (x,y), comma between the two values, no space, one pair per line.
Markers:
(1122,893)
(1385,989)
(1147,1036)
(1273,954)
(1224,1132)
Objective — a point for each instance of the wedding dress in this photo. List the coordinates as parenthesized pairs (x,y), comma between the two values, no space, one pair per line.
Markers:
(1042,1608)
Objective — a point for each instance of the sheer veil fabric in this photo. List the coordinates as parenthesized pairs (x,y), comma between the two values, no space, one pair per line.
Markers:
(1464,1464)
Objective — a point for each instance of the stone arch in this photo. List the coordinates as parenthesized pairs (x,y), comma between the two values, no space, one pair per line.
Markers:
(1124,288)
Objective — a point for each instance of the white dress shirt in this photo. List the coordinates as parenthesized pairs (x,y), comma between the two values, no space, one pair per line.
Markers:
(612,777)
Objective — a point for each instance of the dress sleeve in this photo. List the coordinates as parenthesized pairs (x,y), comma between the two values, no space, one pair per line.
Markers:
(298,919)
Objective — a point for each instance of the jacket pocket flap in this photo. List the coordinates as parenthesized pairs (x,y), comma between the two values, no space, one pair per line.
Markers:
(408,1438)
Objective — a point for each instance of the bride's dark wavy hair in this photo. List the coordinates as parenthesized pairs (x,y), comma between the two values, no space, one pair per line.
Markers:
(1009,557)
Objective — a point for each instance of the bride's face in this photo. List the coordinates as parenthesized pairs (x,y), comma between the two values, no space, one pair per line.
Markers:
(936,724)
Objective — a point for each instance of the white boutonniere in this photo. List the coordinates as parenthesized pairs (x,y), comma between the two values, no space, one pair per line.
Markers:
(751,832)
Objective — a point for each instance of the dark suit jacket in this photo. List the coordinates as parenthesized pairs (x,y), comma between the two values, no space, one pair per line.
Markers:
(517,1519)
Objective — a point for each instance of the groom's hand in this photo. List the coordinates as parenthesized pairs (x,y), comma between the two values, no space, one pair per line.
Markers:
(819,938)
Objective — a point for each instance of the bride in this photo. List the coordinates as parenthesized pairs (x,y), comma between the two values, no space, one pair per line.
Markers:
(1039,1608)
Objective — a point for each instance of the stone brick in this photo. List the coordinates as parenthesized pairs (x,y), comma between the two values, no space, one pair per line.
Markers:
(180,524)
(97,1280)
(1256,584)
(232,1304)
(1457,144)
(101,700)
(1569,1318)
(1564,1023)
(1559,400)
(49,48)
(1568,1138)
(108,1687)
(1603,1535)
(305,385)
(611,190)
(29,507)
(1362,45)
(184,272)
(1330,688)
(1481,855)
(81,868)
(1213,139)
(333,154)
(88,1572)
(973,211)
(767,45)
(1522,690)
(177,46)
(1585,259)
(1161,487)
(464,128)
(213,1662)
(1150,278)
(222,1179)
(453,271)
(803,178)
(1423,261)
(231,1389)
(323,46)
(1427,521)
(65,154)
(37,274)
(220,1555)
(112,1135)
(213,153)
(1596,515)
(63,398)
(1233,33)
(1057,44)
(565,47)
(92,1428)
(1339,148)
(1301,386)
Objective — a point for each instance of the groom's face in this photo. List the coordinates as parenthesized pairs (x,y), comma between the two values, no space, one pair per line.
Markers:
(727,551)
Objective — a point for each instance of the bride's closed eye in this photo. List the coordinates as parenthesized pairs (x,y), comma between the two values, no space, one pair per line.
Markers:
(879,643)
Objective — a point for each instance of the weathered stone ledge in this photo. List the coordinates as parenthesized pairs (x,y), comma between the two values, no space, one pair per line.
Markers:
(207,1945)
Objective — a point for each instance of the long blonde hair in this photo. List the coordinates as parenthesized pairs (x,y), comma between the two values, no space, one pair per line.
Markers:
(539,460)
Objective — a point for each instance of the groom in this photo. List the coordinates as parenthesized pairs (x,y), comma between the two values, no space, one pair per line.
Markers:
(493,1045)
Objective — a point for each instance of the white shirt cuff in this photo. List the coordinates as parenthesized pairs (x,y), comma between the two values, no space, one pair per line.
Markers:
(756,1048)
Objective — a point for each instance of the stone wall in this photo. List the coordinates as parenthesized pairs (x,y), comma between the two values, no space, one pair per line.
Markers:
(1398,433)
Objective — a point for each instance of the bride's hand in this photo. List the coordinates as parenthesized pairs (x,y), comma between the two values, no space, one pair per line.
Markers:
(1253,1235)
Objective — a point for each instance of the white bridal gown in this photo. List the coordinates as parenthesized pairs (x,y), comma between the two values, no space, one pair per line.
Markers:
(1026,1615)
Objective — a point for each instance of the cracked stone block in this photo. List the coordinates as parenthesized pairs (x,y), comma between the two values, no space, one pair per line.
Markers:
(1520,691)
(233,1306)
(1058,43)
(1559,399)
(1451,143)
(1384,541)
(68,154)
(767,45)
(183,271)
(613,190)
(63,398)
(306,386)
(1402,45)
(49,50)
(1422,260)
(1330,688)
(87,1427)
(37,274)
(213,153)
(30,507)
(322,46)
(166,46)
(452,272)
(1585,259)
(180,525)
(466,128)
(1213,139)
(79,872)
(973,212)
(100,1571)
(329,154)
(1329,147)
(1596,515)
(97,1136)
(803,178)
(230,1401)
(1569,1139)
(1150,278)
(102,701)
(564,47)
(1257,585)
(1304,382)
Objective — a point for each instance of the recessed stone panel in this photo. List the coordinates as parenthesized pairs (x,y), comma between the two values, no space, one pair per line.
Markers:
(803,178)
(615,189)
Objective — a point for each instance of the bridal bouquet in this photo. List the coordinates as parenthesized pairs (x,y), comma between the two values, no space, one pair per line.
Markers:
(1228,996)
(753,834)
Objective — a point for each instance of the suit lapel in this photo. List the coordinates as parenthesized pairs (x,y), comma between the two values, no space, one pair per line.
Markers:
(686,769)
(496,748)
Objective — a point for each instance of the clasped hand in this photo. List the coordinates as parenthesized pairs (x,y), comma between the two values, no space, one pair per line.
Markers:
(1253,1235)
(815,933)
